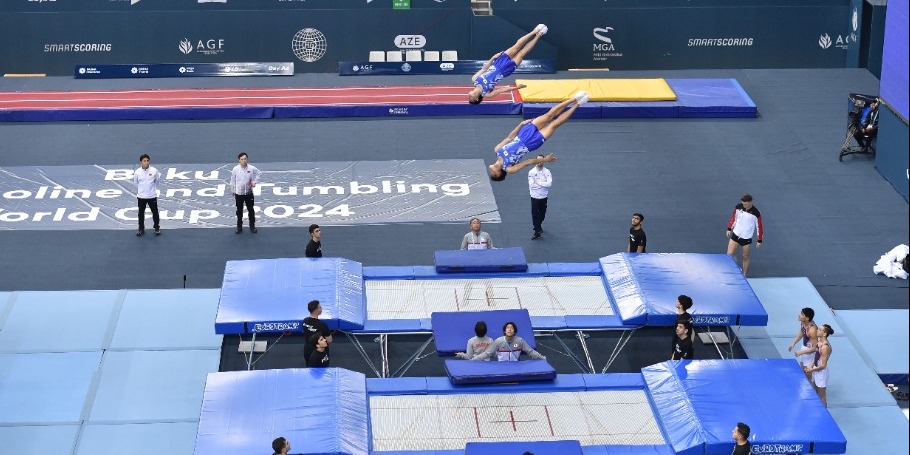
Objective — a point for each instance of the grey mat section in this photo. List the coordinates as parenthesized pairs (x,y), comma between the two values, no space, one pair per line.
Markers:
(685,175)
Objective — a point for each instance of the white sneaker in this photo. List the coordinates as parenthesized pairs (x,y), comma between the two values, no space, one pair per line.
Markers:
(541,29)
(581,97)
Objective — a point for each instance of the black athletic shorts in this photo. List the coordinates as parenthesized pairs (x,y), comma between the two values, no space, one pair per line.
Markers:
(740,241)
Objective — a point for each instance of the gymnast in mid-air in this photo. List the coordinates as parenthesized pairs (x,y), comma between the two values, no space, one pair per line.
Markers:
(502,65)
(528,136)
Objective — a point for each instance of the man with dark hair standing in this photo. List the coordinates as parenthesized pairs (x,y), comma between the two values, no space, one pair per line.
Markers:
(683,303)
(311,326)
(745,223)
(146,179)
(314,247)
(683,347)
(638,241)
(281,446)
(741,436)
(539,181)
(244,178)
(319,358)
(808,333)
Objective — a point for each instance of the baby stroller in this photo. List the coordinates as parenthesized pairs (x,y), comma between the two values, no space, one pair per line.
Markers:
(858,103)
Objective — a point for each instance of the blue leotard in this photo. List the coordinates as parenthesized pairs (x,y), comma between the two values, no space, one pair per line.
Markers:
(501,67)
(528,139)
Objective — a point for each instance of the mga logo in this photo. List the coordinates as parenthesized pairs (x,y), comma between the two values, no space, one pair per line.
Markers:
(447,66)
(606,44)
(603,47)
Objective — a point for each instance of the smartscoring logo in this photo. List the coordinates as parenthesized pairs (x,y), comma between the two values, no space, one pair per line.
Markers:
(696,42)
(78,47)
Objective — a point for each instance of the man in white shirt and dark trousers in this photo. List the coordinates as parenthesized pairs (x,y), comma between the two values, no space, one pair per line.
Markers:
(146,179)
(539,181)
(244,178)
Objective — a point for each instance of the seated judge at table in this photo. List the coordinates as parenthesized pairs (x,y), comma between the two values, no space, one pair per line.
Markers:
(508,347)
(476,239)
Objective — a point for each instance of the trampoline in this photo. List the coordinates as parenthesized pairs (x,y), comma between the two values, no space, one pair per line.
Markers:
(623,292)
(683,407)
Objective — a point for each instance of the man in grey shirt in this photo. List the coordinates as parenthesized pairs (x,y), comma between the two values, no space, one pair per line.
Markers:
(476,239)
(508,347)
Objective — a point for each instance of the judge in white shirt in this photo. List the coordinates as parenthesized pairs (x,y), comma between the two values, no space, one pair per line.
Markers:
(539,181)
(146,179)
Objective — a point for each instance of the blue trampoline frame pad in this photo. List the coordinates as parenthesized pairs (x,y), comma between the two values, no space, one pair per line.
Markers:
(644,289)
(271,295)
(320,410)
(699,402)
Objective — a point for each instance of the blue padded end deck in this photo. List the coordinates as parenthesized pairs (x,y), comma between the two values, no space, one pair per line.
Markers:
(271,295)
(694,401)
(478,372)
(321,410)
(644,288)
(535,447)
(495,260)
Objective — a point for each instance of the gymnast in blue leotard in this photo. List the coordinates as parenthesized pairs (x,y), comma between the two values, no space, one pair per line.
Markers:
(528,136)
(502,65)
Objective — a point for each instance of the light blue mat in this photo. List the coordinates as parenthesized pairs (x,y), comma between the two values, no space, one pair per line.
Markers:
(167,319)
(140,439)
(783,298)
(152,386)
(48,388)
(876,430)
(39,439)
(881,336)
(59,321)
(850,382)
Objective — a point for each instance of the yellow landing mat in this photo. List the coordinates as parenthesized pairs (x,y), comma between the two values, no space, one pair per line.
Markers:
(556,90)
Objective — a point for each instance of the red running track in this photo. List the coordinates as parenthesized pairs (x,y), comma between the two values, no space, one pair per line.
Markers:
(222,97)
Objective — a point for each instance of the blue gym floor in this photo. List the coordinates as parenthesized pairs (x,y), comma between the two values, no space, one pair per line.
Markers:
(84,371)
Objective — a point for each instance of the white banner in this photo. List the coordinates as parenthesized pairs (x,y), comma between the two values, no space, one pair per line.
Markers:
(288,194)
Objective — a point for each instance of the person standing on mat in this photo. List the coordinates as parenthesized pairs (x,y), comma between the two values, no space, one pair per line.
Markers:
(528,136)
(146,179)
(808,333)
(314,247)
(745,223)
(319,358)
(476,239)
(281,446)
(312,326)
(819,368)
(508,347)
(683,303)
(244,178)
(742,445)
(502,65)
(638,241)
(539,182)
(683,346)
(477,344)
